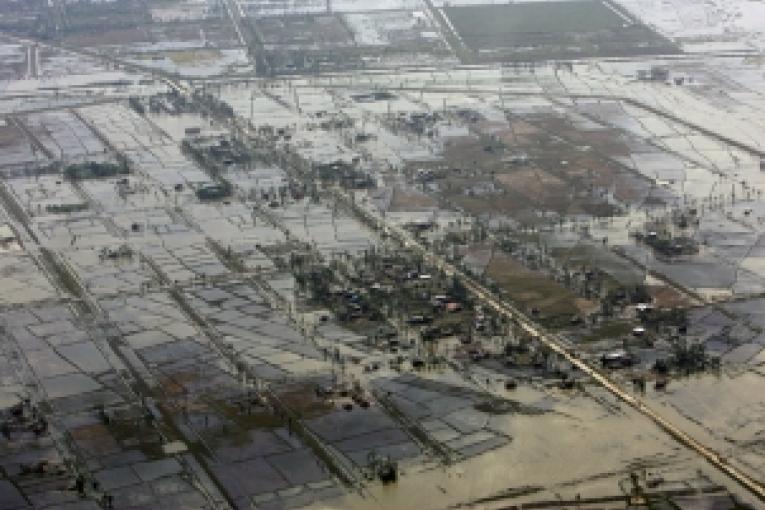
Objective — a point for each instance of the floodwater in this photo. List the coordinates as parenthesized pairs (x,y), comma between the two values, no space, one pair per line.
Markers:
(581,448)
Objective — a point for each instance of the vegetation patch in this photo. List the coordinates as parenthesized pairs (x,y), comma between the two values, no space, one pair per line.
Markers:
(532,290)
(95,170)
(609,330)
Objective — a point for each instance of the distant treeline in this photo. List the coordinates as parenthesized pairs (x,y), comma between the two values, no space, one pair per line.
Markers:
(94,170)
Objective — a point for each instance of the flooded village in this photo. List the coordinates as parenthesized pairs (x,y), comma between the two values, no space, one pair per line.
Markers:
(404,254)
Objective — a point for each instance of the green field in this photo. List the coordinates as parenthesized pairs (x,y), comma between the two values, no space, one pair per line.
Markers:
(538,17)
(538,30)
